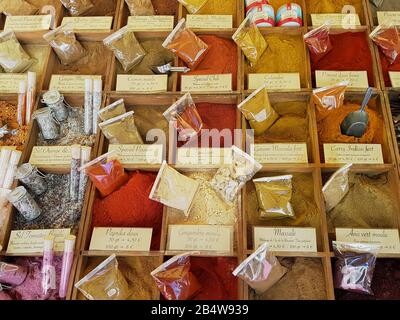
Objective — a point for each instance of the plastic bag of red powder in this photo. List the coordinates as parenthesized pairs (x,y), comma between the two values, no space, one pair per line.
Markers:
(175,280)
(355,265)
(318,42)
(387,38)
(107,174)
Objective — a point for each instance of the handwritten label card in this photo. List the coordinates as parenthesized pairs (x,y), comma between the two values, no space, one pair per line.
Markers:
(28,23)
(204,156)
(353,153)
(197,21)
(395,79)
(31,241)
(89,23)
(70,83)
(153,23)
(279,152)
(388,17)
(43,156)
(138,153)
(209,82)
(275,81)
(9,82)
(200,237)
(121,239)
(388,239)
(142,83)
(357,79)
(345,20)
(286,239)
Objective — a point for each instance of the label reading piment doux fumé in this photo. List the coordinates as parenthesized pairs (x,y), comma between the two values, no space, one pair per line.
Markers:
(200,237)
(388,239)
(70,82)
(286,239)
(121,239)
(43,156)
(138,153)
(275,81)
(357,79)
(353,153)
(142,83)
(279,152)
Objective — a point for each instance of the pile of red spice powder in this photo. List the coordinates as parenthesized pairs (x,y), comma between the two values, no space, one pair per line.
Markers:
(130,206)
(221,58)
(385,283)
(217,116)
(215,277)
(350,52)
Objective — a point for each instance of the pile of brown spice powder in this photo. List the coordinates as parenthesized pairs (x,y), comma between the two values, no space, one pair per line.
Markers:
(8,115)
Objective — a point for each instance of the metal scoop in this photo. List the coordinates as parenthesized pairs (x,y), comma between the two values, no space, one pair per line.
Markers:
(167,68)
(356,123)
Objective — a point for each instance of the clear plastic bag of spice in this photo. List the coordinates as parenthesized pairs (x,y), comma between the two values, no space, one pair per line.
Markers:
(65,44)
(184,114)
(229,179)
(13,58)
(121,129)
(106,173)
(387,38)
(193,6)
(140,7)
(174,279)
(186,45)
(113,110)
(77,7)
(105,282)
(125,47)
(17,8)
(261,270)
(258,111)
(354,266)
(336,188)
(274,195)
(174,189)
(250,40)
(318,42)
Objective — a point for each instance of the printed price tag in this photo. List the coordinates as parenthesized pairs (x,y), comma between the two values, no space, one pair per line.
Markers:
(202,21)
(138,153)
(151,23)
(43,156)
(142,83)
(275,81)
(280,152)
(353,153)
(28,23)
(204,83)
(70,83)
(357,79)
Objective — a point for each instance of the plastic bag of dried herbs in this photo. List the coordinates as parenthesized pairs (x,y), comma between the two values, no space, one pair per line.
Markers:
(140,7)
(354,266)
(274,195)
(175,280)
(125,47)
(77,7)
(13,58)
(114,109)
(261,270)
(105,282)
(229,179)
(17,7)
(121,129)
(65,44)
(250,40)
(336,188)
(258,111)
(193,6)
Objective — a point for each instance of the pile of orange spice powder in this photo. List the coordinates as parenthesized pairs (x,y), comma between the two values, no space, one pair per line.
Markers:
(8,116)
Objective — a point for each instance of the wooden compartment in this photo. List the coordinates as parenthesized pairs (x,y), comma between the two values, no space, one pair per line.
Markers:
(389,95)
(372,11)
(294,39)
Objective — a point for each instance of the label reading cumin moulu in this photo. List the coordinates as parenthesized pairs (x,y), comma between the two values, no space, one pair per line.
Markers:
(43,156)
(142,83)
(356,153)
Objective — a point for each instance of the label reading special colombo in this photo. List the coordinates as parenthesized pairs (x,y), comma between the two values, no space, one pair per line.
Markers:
(200,237)
(142,83)
(275,81)
(286,239)
(208,82)
(70,82)
(121,239)
(357,79)
(388,239)
(138,153)
(279,152)
(356,153)
(197,21)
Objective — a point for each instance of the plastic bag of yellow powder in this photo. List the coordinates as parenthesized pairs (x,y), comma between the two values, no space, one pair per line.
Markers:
(250,40)
(193,6)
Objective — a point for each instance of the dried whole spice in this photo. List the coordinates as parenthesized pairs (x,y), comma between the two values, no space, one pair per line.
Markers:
(8,115)
(125,47)
(65,44)
(77,7)
(17,7)
(13,58)
(140,7)
(25,204)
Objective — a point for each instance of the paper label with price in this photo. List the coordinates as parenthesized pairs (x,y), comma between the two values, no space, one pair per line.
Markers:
(142,83)
(70,82)
(121,239)
(388,17)
(286,239)
(215,238)
(353,153)
(344,20)
(203,21)
(357,79)
(28,23)
(153,23)
(138,153)
(395,78)
(204,156)
(275,81)
(9,82)
(43,156)
(209,82)
(388,239)
(279,152)
(89,23)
